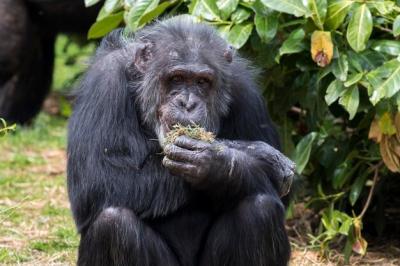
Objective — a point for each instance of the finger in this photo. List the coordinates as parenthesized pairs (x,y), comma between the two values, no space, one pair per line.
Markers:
(179,168)
(190,144)
(177,153)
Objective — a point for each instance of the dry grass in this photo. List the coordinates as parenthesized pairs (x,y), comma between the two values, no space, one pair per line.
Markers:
(192,131)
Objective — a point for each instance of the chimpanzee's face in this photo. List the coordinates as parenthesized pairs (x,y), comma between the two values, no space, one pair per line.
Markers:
(187,92)
(184,83)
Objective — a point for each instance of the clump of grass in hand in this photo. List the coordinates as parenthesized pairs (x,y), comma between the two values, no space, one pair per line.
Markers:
(192,131)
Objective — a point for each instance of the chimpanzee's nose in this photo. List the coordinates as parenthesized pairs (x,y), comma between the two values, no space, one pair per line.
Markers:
(188,104)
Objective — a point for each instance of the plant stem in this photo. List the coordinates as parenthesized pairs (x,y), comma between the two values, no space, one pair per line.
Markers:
(371,191)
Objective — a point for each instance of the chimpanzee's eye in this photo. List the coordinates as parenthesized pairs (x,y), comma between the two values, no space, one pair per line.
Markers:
(177,79)
(203,82)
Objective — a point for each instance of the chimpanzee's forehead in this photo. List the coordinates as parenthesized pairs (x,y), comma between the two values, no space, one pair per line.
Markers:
(188,55)
(190,50)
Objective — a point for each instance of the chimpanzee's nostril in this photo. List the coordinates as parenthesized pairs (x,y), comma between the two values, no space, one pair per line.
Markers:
(190,106)
(182,104)
(187,106)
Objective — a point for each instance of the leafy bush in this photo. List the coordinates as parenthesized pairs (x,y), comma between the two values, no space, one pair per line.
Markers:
(333,67)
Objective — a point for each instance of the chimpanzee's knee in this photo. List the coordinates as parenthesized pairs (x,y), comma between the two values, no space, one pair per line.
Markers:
(119,237)
(253,233)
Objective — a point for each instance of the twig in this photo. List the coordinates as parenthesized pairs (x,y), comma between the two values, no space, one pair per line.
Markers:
(371,191)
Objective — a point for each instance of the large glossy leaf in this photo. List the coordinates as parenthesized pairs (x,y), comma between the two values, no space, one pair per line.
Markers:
(360,28)
(91,2)
(112,5)
(294,7)
(139,8)
(240,15)
(226,7)
(337,12)
(353,79)
(224,30)
(385,80)
(266,26)
(105,25)
(340,67)
(357,187)
(158,10)
(383,7)
(350,101)
(206,9)
(318,10)
(239,34)
(386,46)
(334,91)
(396,26)
(293,44)
(303,151)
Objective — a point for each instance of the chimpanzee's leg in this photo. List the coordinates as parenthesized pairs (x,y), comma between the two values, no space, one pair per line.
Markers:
(26,62)
(118,237)
(251,234)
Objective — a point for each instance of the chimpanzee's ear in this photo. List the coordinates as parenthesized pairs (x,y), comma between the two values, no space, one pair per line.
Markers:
(143,56)
(228,54)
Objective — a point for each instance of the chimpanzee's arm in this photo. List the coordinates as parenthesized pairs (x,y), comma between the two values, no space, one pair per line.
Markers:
(230,167)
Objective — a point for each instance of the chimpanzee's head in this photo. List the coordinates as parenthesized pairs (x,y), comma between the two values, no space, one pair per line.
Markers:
(185,70)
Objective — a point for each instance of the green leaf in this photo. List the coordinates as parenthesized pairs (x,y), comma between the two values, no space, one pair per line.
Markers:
(340,67)
(340,175)
(206,9)
(386,46)
(334,91)
(318,10)
(112,5)
(337,12)
(91,2)
(105,25)
(152,14)
(397,99)
(385,80)
(303,151)
(383,7)
(350,101)
(386,125)
(294,7)
(293,44)
(360,28)
(239,34)
(224,30)
(345,227)
(102,14)
(139,8)
(226,7)
(240,15)
(396,26)
(357,188)
(353,79)
(266,26)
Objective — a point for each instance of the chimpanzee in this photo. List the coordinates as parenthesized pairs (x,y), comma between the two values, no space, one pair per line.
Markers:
(138,200)
(27,34)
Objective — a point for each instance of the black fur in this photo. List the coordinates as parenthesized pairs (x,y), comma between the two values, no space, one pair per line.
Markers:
(127,206)
(28,29)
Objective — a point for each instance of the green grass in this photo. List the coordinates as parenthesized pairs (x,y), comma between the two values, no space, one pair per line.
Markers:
(37,227)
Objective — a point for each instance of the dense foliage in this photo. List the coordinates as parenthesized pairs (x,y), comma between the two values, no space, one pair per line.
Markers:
(333,67)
